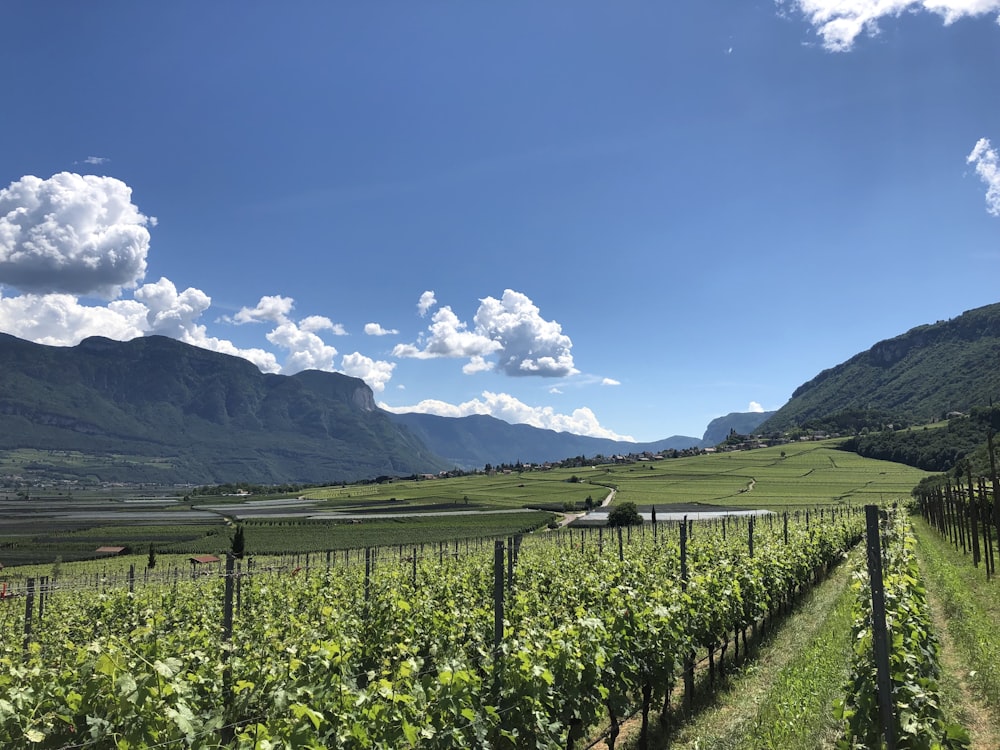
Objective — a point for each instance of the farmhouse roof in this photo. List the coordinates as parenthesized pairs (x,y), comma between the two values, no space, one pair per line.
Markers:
(110,550)
(199,559)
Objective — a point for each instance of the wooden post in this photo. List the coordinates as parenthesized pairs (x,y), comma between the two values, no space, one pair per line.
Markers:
(880,637)
(368,574)
(227,637)
(498,582)
(29,606)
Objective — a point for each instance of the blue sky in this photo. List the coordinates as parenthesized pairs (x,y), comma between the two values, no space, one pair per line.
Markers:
(617,219)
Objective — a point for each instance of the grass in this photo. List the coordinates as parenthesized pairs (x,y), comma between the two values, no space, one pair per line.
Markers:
(553,488)
(783,698)
(798,474)
(970,609)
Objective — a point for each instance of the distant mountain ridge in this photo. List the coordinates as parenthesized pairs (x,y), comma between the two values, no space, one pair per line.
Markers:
(163,411)
(157,410)
(921,375)
(473,441)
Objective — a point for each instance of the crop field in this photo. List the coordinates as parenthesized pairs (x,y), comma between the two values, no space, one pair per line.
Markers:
(798,474)
(60,525)
(309,652)
(518,490)
(472,649)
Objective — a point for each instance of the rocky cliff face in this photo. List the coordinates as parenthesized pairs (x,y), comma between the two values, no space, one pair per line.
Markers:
(199,416)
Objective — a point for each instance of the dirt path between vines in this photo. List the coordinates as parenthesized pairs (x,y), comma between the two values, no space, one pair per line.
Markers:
(972,713)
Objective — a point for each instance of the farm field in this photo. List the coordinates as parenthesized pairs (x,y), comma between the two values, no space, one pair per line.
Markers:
(794,476)
(797,474)
(402,650)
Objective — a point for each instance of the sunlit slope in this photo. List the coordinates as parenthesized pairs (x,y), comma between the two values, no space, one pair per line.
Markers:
(798,474)
(803,474)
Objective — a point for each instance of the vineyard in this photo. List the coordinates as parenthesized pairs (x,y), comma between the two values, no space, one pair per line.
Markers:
(532,644)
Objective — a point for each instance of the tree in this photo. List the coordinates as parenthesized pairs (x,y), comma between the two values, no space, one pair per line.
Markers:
(151,562)
(624,514)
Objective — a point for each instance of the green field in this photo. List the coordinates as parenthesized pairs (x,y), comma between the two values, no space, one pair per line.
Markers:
(798,475)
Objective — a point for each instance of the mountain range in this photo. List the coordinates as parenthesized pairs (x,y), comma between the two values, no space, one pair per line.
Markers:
(157,410)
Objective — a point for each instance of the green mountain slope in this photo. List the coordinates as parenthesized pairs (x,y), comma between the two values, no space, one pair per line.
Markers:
(920,376)
(157,410)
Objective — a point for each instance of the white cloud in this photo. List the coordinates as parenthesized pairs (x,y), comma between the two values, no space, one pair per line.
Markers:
(172,314)
(511,327)
(307,351)
(555,391)
(314,323)
(755,408)
(426,302)
(376,373)
(987,162)
(60,319)
(476,364)
(840,22)
(529,344)
(272,309)
(374,329)
(449,337)
(96,160)
(503,406)
(71,233)
(610,381)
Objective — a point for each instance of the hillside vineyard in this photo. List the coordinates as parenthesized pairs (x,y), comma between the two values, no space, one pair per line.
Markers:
(506,646)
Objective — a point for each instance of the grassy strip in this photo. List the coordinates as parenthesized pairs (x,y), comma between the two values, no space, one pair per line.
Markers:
(784,698)
(972,608)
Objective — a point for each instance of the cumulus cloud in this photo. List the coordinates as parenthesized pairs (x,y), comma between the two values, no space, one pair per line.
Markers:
(270,309)
(306,350)
(755,408)
(476,364)
(75,234)
(610,381)
(987,163)
(376,373)
(374,329)
(510,328)
(449,337)
(60,319)
(169,313)
(840,22)
(425,303)
(529,344)
(315,323)
(503,406)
